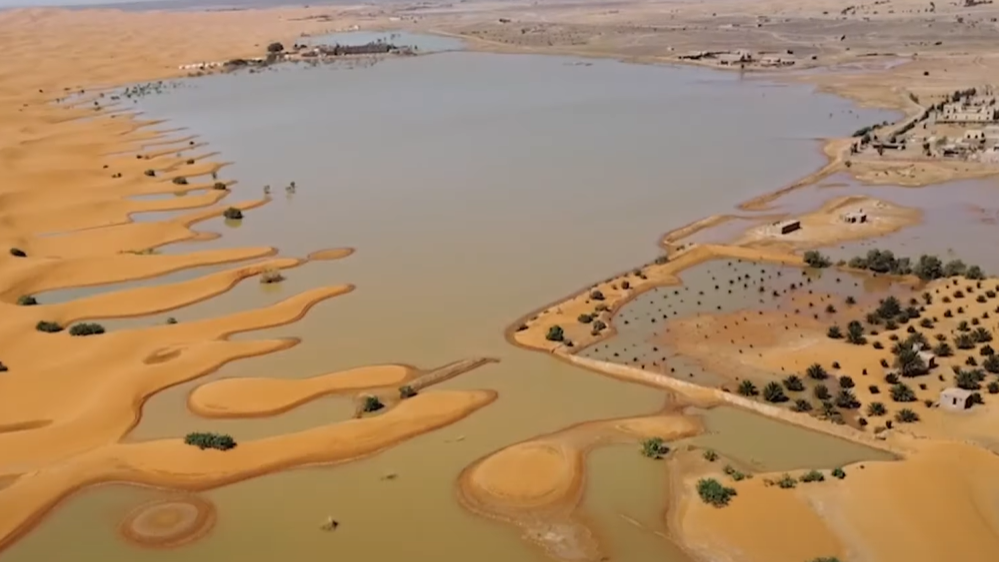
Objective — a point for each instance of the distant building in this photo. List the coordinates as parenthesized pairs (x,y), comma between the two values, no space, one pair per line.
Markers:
(855,217)
(975,135)
(788,226)
(955,399)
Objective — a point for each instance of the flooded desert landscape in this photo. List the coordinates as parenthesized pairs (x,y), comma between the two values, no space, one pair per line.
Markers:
(500,293)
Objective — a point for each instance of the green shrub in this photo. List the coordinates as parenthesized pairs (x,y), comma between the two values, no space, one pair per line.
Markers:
(786,482)
(585,318)
(654,448)
(233,214)
(372,404)
(838,473)
(171,320)
(86,329)
(875,409)
(812,476)
(710,455)
(48,327)
(813,258)
(598,325)
(834,332)
(747,388)
(406,392)
(555,333)
(27,300)
(905,415)
(204,441)
(712,492)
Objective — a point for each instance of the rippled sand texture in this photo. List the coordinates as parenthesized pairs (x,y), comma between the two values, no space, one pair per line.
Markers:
(67,171)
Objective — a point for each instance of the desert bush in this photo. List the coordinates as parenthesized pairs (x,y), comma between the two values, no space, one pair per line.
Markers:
(813,258)
(712,492)
(48,327)
(86,329)
(812,476)
(816,372)
(905,415)
(846,382)
(901,392)
(218,441)
(233,214)
(821,392)
(271,275)
(150,173)
(834,332)
(26,300)
(786,482)
(654,448)
(406,391)
(371,403)
(179,180)
(597,295)
(710,455)
(555,333)
(18,253)
(220,186)
(584,318)
(838,473)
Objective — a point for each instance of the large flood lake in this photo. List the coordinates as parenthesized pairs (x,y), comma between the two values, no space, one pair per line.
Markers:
(475,188)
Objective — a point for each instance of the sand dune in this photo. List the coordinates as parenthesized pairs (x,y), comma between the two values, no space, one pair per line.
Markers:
(231,398)
(537,485)
(171,463)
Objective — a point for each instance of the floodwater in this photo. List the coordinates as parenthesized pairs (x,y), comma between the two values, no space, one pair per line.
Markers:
(475,188)
(720,286)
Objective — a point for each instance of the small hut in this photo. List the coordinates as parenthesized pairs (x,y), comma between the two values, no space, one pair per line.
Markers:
(955,399)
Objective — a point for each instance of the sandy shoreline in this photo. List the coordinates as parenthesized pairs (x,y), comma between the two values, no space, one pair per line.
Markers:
(54,444)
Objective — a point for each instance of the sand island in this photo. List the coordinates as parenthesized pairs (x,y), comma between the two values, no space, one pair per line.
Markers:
(800,317)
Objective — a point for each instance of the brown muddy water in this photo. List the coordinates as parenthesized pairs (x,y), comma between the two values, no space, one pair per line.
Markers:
(475,188)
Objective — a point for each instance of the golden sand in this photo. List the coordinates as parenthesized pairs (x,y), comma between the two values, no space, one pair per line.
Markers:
(234,398)
(70,174)
(539,483)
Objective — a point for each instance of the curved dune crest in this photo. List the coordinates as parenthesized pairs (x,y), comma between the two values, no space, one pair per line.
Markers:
(264,397)
(330,254)
(171,463)
(527,475)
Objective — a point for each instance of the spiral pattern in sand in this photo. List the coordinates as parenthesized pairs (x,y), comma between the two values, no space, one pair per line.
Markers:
(169,523)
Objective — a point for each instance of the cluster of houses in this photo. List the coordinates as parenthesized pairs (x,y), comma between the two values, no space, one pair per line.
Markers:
(743,58)
(965,125)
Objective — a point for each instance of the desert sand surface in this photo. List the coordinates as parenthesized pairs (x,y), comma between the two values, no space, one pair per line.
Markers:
(71,171)
(68,170)
(538,485)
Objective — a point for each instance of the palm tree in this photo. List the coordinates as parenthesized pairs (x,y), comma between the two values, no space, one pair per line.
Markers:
(875,409)
(906,415)
(773,392)
(968,380)
(816,372)
(821,392)
(889,308)
(902,393)
(846,399)
(747,388)
(834,332)
(981,335)
(991,364)
(943,350)
(909,363)
(793,383)
(855,333)
(846,382)
(801,405)
(917,338)
(964,341)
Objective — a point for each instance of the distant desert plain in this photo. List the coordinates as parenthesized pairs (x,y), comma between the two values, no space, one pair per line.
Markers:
(875,371)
